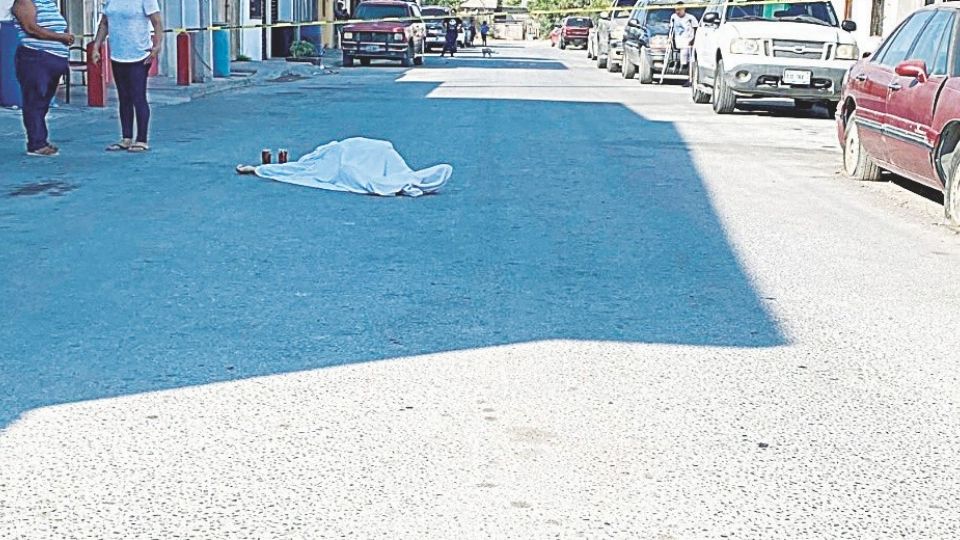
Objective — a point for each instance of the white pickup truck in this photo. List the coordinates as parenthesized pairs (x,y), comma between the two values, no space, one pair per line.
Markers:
(784,50)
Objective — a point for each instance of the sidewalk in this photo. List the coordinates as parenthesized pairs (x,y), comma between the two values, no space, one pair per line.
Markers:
(165,91)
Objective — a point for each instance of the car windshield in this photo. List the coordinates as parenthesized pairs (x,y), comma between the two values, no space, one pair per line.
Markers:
(578,22)
(622,9)
(804,12)
(370,12)
(658,19)
(434,11)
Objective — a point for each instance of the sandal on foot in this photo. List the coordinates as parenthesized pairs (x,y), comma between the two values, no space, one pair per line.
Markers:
(119,147)
(138,147)
(46,151)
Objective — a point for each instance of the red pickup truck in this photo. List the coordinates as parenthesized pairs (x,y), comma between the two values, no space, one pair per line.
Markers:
(900,108)
(392,30)
(574,31)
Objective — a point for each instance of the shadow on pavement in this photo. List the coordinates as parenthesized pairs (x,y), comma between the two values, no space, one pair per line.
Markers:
(165,270)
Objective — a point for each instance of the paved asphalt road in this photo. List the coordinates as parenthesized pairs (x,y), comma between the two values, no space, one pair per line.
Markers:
(625,317)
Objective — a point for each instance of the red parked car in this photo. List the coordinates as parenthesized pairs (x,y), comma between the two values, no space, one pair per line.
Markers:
(574,31)
(403,39)
(901,106)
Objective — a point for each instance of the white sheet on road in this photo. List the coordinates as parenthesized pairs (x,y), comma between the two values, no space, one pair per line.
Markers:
(358,165)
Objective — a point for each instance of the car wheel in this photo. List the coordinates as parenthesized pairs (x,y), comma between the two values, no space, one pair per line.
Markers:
(364,61)
(612,66)
(951,196)
(628,70)
(857,163)
(347,60)
(699,96)
(832,108)
(601,61)
(646,67)
(407,60)
(724,100)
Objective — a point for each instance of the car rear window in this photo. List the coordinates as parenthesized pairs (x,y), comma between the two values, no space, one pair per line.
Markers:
(435,11)
(579,22)
(370,12)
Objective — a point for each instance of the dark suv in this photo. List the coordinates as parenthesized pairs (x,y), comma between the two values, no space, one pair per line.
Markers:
(574,31)
(646,39)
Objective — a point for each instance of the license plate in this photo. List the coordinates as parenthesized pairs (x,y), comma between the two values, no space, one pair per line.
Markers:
(793,76)
(371,48)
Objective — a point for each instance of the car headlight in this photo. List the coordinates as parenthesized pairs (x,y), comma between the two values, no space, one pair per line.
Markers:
(659,42)
(348,35)
(746,46)
(616,35)
(847,52)
(398,37)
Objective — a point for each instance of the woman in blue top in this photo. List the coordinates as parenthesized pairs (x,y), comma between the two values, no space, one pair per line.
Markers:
(40,61)
(132,51)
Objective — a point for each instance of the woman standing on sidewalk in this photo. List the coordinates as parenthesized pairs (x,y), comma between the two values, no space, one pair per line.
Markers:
(132,52)
(40,61)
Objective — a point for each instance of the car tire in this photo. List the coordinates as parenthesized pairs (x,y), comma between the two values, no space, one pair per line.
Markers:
(628,70)
(407,60)
(857,164)
(832,108)
(724,100)
(951,195)
(645,73)
(612,67)
(347,60)
(699,96)
(364,62)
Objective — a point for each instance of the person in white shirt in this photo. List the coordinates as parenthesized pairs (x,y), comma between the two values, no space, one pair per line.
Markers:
(683,26)
(132,52)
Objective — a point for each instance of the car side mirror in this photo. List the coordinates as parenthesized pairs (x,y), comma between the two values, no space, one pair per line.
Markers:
(848,26)
(916,69)
(711,19)
(634,23)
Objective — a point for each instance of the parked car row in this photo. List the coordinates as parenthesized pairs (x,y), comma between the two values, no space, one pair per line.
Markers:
(896,110)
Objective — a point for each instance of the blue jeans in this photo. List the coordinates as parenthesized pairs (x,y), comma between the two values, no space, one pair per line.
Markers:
(39,75)
(131,80)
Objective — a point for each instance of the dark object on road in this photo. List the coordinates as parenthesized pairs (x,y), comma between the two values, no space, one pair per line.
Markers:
(763,445)
(900,108)
(403,39)
(487,52)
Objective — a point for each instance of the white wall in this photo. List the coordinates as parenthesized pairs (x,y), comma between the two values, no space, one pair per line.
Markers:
(5,6)
(250,41)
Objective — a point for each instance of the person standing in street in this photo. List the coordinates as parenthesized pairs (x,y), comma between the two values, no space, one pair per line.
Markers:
(450,39)
(683,28)
(40,61)
(132,51)
(484,30)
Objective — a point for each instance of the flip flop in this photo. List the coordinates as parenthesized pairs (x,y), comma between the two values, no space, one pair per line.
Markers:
(118,147)
(138,147)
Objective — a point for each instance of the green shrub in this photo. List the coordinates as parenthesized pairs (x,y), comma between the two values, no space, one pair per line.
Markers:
(302,49)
